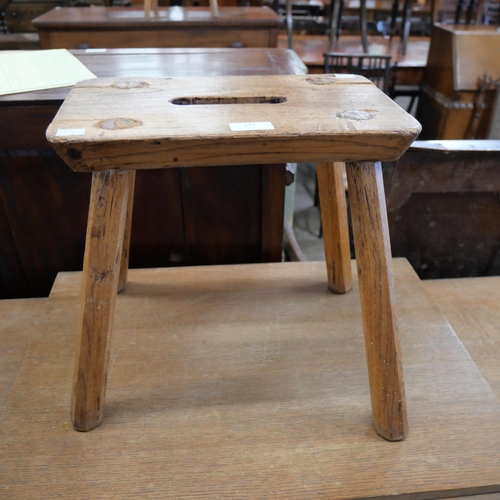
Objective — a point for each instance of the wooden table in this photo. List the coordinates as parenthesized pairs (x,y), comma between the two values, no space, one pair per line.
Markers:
(226,393)
(410,66)
(115,27)
(184,219)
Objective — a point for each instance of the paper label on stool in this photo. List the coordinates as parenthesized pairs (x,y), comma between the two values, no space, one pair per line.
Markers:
(64,132)
(342,75)
(94,51)
(241,127)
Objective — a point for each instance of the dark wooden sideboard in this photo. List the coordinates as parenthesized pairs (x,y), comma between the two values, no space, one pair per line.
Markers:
(181,216)
(116,27)
(443,206)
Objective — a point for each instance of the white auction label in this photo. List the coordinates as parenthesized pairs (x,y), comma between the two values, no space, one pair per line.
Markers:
(94,51)
(65,132)
(240,127)
(343,75)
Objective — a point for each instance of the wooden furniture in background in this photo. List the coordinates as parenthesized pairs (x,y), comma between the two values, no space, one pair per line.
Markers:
(152,124)
(443,208)
(181,216)
(410,67)
(459,57)
(117,27)
(375,68)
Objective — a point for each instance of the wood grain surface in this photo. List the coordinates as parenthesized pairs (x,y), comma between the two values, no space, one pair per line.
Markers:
(472,306)
(208,398)
(335,225)
(18,320)
(378,301)
(148,123)
(96,17)
(101,270)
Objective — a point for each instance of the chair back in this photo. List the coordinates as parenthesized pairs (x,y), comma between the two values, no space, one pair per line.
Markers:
(374,67)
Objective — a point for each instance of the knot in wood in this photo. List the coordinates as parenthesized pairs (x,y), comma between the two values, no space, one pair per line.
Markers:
(354,114)
(118,123)
(321,80)
(130,85)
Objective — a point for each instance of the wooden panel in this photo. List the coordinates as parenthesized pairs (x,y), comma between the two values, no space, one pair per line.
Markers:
(165,123)
(13,279)
(439,70)
(23,127)
(476,50)
(222,213)
(48,224)
(209,398)
(157,223)
(444,209)
(184,37)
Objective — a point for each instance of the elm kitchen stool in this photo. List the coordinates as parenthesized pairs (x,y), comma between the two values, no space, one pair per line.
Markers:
(113,127)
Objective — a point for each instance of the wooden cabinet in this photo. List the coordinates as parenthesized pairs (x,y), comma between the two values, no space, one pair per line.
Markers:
(181,216)
(122,27)
(451,105)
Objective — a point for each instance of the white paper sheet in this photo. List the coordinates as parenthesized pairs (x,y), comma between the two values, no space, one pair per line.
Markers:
(25,71)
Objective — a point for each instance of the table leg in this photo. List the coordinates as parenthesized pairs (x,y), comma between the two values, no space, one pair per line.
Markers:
(127,234)
(373,259)
(103,247)
(335,225)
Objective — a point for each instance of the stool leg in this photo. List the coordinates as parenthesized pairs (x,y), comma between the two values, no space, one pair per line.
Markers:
(127,233)
(335,225)
(103,247)
(373,258)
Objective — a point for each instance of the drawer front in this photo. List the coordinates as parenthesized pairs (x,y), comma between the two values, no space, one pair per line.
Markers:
(185,38)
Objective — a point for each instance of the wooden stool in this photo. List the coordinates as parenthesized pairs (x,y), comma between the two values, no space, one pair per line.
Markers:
(113,127)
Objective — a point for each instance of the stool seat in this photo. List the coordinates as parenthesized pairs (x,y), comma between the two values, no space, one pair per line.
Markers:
(156,123)
(114,127)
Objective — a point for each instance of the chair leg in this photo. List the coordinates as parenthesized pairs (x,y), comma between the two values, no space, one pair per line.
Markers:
(127,234)
(364,26)
(335,225)
(289,23)
(334,22)
(103,247)
(373,258)
(406,25)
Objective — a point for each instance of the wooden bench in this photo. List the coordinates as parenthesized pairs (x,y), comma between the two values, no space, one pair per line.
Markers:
(114,127)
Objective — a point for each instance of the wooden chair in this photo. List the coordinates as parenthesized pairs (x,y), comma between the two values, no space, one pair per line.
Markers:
(113,127)
(335,22)
(335,11)
(374,67)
